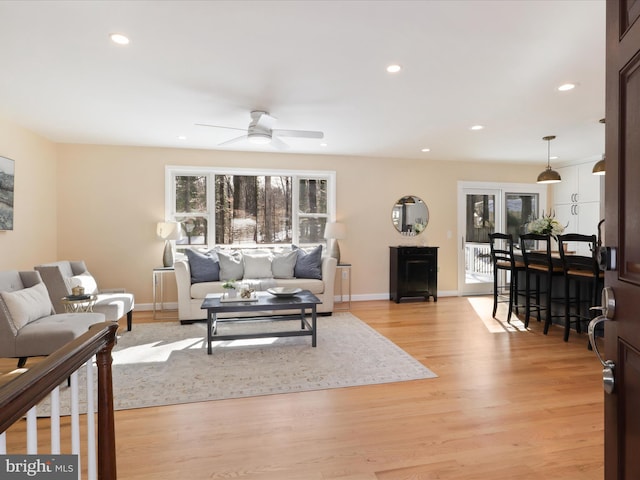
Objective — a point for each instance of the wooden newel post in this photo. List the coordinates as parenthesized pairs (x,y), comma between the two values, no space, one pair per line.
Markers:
(106,424)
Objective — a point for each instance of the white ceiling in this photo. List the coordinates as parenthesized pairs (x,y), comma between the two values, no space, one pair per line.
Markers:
(315,65)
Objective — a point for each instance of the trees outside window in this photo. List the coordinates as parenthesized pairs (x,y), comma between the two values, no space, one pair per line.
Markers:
(239,208)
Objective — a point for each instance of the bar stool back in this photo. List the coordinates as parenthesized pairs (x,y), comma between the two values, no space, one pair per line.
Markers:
(582,275)
(505,272)
(538,262)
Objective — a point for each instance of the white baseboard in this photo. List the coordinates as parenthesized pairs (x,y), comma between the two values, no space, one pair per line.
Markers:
(354,298)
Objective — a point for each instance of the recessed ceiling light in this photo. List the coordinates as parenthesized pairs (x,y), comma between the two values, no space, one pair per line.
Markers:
(181,137)
(323,144)
(119,38)
(425,150)
(553,157)
(565,87)
(477,127)
(394,68)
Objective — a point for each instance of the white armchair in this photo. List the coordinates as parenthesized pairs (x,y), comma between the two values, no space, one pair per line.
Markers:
(60,277)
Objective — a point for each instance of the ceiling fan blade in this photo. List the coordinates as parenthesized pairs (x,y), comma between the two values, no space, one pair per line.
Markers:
(279,144)
(234,140)
(220,126)
(265,121)
(298,133)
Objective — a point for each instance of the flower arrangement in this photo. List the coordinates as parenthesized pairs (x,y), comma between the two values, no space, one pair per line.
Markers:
(418,227)
(546,225)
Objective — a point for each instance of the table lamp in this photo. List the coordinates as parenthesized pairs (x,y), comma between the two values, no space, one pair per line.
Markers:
(335,231)
(169,231)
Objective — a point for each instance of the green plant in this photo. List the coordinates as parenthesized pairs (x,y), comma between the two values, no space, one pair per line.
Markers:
(229,285)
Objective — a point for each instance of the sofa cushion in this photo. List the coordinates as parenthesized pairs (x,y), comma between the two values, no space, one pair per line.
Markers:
(28,304)
(308,263)
(257,265)
(231,265)
(84,280)
(283,264)
(49,333)
(204,267)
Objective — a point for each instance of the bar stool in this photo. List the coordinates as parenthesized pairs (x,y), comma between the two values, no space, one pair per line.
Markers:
(582,272)
(538,262)
(503,260)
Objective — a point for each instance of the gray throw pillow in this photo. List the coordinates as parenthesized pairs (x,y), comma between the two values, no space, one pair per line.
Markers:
(231,265)
(283,264)
(204,266)
(308,264)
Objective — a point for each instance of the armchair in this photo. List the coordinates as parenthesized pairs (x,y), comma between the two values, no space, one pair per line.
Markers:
(60,277)
(28,325)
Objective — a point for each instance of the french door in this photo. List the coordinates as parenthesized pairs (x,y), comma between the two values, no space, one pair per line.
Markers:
(485,208)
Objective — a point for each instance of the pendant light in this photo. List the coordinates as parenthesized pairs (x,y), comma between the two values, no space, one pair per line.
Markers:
(598,168)
(549,175)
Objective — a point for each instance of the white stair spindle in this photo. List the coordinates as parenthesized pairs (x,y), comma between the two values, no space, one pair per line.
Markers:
(92,466)
(55,421)
(32,431)
(75,419)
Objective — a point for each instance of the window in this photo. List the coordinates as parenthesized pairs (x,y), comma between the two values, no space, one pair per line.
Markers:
(239,207)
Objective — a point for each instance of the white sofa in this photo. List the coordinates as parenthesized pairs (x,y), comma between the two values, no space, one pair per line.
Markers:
(191,295)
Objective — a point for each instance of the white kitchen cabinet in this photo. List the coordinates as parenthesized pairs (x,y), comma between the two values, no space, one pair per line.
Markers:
(576,199)
(578,185)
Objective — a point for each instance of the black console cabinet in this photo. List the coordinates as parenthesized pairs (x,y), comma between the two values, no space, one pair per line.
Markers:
(413,273)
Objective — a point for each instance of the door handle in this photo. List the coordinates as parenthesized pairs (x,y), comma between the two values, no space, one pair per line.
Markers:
(608,312)
(608,307)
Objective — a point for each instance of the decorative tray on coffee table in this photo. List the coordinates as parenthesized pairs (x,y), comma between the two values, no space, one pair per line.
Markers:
(225,298)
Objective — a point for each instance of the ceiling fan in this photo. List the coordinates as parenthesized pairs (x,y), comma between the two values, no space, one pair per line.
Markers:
(260,131)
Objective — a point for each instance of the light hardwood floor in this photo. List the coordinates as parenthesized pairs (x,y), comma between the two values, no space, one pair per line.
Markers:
(507,404)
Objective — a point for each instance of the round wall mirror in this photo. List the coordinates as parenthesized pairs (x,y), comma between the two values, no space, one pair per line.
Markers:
(410,215)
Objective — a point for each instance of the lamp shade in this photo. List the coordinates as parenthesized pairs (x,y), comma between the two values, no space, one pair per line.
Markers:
(169,230)
(335,230)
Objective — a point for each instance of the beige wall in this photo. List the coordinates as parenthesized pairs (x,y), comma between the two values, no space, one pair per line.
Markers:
(101,204)
(33,239)
(110,199)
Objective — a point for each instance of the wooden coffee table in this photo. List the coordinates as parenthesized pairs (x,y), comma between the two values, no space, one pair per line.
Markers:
(302,301)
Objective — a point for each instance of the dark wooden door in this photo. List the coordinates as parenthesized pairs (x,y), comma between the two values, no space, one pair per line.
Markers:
(622,205)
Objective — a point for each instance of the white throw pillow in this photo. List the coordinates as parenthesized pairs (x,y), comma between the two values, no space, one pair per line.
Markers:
(231,265)
(28,304)
(283,264)
(84,280)
(257,265)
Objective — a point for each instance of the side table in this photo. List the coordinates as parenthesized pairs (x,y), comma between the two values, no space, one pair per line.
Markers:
(344,273)
(158,284)
(79,305)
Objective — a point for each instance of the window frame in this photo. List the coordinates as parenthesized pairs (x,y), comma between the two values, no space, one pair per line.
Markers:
(172,171)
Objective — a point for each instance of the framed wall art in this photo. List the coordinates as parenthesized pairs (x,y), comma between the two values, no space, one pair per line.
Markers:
(7,173)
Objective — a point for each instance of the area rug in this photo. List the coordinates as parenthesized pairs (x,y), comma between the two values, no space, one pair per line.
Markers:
(166,363)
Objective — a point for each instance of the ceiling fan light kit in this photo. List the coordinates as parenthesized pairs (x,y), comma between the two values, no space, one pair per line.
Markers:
(258,138)
(260,132)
